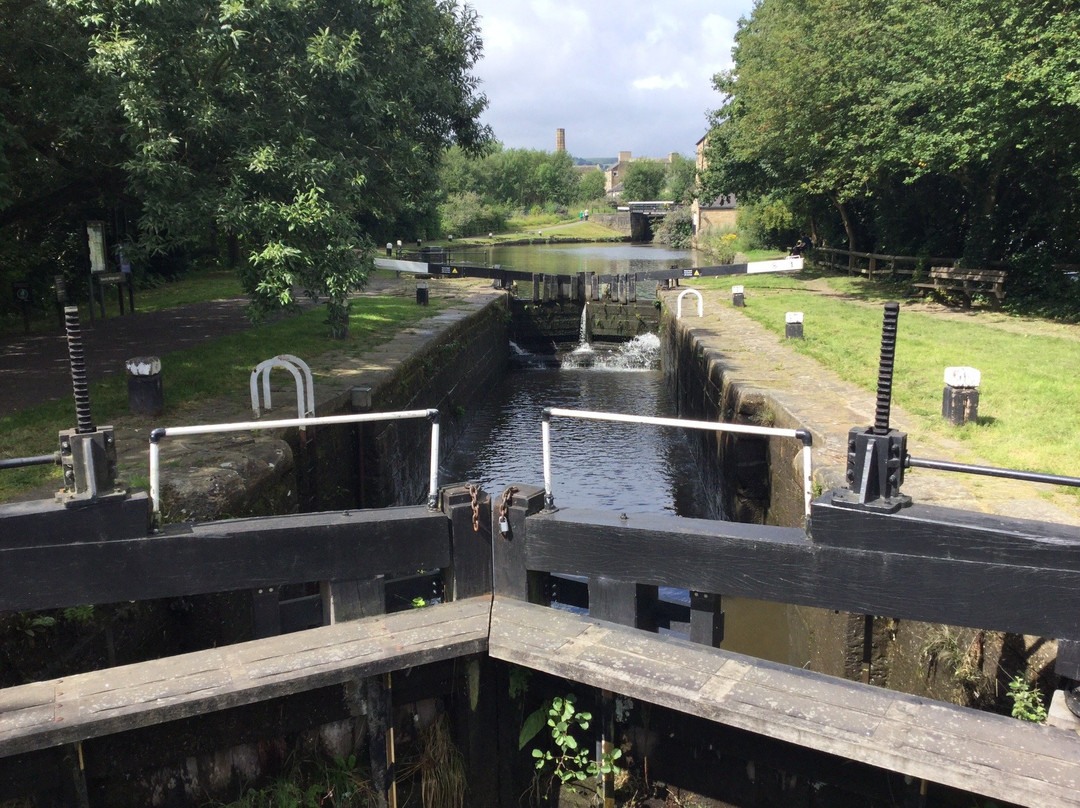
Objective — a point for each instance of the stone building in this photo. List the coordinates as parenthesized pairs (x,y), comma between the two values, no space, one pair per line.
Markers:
(717,213)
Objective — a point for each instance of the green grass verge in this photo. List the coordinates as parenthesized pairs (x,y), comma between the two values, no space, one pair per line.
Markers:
(217,368)
(194,287)
(1027,414)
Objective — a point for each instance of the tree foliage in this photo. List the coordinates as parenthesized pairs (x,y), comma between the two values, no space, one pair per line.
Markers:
(297,129)
(512,178)
(643,181)
(590,186)
(680,180)
(908,126)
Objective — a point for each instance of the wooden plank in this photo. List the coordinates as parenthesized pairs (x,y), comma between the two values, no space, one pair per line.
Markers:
(957,747)
(45,521)
(223,556)
(102,702)
(931,530)
(783,565)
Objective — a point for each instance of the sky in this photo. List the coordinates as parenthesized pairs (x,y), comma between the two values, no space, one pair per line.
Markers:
(617,76)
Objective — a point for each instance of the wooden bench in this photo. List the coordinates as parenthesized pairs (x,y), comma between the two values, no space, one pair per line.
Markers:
(967,281)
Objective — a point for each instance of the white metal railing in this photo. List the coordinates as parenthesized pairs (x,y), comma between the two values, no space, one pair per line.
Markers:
(158,434)
(801,435)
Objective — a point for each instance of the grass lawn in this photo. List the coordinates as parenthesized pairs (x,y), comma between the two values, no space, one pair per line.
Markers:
(1028,413)
(220,367)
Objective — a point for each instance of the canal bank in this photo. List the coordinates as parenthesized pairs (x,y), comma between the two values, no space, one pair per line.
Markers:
(725,365)
(733,397)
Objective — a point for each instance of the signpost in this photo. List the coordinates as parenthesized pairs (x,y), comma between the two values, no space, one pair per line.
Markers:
(23,298)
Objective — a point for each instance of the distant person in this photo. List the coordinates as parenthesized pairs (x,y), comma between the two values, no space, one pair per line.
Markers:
(801,246)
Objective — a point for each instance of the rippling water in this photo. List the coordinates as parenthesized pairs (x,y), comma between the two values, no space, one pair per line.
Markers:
(631,468)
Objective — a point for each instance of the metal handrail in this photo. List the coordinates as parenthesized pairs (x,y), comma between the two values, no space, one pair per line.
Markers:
(991,471)
(156,436)
(801,435)
(37,460)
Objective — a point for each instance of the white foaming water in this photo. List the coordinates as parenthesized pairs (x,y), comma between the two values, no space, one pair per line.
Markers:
(517,349)
(640,353)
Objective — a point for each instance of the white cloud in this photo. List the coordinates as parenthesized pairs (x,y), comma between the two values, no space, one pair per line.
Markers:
(616,76)
(660,82)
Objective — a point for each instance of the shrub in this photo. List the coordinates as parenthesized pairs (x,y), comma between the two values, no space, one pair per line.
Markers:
(676,229)
(465,214)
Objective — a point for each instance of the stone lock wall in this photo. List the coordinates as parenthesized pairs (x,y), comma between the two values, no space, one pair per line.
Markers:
(754,480)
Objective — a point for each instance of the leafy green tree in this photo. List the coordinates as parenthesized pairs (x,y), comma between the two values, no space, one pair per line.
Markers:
(465,214)
(556,179)
(643,181)
(679,182)
(298,129)
(590,186)
(60,146)
(920,126)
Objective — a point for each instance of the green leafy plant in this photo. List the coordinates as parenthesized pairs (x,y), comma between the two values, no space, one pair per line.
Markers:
(33,625)
(1027,703)
(80,615)
(567,760)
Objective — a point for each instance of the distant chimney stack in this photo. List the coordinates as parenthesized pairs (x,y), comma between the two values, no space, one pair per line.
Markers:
(560,140)
(624,157)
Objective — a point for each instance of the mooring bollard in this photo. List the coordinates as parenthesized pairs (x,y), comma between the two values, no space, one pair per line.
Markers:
(793,325)
(960,400)
(737,298)
(422,293)
(146,395)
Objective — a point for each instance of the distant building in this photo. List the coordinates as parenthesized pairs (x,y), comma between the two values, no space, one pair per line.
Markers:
(717,213)
(560,140)
(613,174)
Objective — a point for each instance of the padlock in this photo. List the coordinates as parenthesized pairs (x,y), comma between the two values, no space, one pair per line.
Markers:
(504,525)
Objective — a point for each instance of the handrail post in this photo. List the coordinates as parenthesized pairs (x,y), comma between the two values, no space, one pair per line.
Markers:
(807,474)
(155,474)
(545,432)
(433,477)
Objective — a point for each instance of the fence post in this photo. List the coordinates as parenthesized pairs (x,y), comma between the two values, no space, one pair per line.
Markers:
(469,511)
(510,575)
(624,602)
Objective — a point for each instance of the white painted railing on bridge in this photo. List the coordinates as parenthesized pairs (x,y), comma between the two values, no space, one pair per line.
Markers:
(801,435)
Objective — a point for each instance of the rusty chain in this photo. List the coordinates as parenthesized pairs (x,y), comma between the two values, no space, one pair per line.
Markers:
(473,491)
(507,498)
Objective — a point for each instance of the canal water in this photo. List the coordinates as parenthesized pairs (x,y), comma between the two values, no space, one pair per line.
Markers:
(602,259)
(620,468)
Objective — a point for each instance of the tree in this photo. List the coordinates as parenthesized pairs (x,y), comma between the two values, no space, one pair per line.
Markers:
(60,150)
(679,182)
(590,186)
(298,129)
(643,180)
(919,126)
